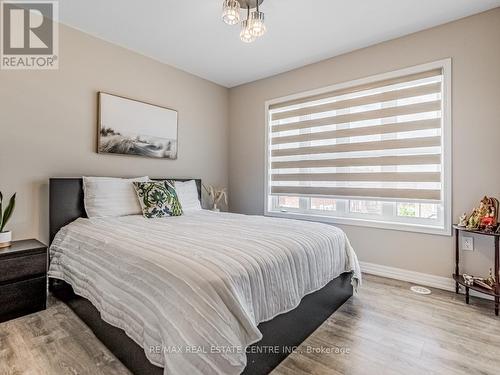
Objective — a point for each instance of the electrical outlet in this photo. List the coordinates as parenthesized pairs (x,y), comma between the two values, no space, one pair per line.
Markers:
(468,243)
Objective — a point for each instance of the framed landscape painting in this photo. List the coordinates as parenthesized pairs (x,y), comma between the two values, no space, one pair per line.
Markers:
(131,127)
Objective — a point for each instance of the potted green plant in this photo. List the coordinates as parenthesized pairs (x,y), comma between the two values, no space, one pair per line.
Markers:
(6,236)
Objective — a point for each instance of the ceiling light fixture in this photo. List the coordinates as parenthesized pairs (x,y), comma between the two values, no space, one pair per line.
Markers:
(231,12)
(257,26)
(253,26)
(246,34)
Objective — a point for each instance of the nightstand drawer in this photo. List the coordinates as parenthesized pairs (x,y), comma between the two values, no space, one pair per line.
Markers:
(18,268)
(22,298)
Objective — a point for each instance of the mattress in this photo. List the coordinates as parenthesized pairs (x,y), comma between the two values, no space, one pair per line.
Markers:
(192,289)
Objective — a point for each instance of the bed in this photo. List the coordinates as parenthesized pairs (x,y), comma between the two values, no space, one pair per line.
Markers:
(204,293)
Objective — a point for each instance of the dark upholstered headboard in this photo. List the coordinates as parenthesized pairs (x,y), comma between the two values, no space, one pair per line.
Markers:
(66,201)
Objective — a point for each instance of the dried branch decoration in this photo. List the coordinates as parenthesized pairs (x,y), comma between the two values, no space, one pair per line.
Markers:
(216,194)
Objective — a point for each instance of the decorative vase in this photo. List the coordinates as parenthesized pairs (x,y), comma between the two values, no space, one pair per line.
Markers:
(5,239)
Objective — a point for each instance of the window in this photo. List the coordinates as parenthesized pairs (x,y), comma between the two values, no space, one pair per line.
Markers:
(373,152)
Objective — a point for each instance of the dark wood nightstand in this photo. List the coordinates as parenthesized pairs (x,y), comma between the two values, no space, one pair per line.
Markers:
(23,279)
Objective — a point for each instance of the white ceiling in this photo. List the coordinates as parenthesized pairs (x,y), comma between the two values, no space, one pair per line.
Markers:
(190,35)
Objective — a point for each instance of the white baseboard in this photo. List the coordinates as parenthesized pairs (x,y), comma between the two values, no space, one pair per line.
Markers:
(438,282)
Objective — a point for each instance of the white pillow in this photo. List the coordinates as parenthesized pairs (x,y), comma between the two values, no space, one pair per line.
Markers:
(187,192)
(107,196)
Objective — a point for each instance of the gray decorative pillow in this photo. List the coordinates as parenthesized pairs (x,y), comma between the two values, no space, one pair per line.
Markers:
(158,199)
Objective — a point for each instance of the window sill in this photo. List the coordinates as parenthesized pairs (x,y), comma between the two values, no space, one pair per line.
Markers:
(416,228)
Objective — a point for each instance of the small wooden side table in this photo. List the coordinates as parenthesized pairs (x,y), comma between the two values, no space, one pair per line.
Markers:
(459,280)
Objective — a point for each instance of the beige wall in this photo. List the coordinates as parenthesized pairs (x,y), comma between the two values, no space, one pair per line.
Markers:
(48,128)
(473,45)
(48,123)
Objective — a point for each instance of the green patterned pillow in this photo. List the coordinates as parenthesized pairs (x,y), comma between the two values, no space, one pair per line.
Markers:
(158,199)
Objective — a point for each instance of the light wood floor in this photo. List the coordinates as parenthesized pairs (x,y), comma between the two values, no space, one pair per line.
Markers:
(386,330)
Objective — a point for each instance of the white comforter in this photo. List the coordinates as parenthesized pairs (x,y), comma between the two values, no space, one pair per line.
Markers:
(191,290)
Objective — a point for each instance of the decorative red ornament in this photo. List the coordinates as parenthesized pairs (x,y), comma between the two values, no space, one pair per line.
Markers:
(485,221)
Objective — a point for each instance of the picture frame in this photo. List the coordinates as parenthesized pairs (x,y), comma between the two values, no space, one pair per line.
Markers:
(136,128)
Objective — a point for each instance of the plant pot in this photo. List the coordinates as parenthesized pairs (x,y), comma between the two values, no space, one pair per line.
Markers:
(5,239)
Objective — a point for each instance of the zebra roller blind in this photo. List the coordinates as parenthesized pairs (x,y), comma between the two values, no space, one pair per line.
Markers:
(381,141)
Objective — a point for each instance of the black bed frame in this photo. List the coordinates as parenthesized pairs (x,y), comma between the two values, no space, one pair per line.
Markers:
(283,332)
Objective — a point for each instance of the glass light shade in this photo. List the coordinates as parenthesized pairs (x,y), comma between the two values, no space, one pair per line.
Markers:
(231,12)
(257,26)
(245,34)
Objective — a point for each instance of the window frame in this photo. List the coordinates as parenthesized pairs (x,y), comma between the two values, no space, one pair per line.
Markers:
(446,154)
